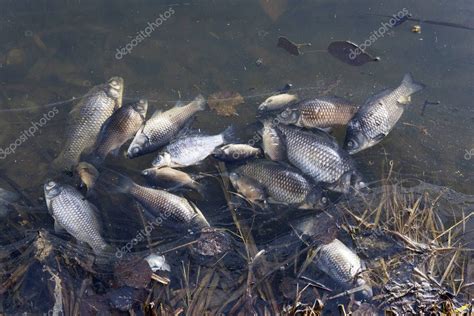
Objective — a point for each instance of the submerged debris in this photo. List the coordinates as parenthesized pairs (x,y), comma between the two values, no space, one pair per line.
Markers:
(350,53)
(291,47)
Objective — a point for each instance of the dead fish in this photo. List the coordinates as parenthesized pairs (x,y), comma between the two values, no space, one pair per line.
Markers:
(290,47)
(73,213)
(350,53)
(191,150)
(88,174)
(272,144)
(377,117)
(321,112)
(342,265)
(169,176)
(236,152)
(249,188)
(283,185)
(86,119)
(277,102)
(118,129)
(165,207)
(319,156)
(162,127)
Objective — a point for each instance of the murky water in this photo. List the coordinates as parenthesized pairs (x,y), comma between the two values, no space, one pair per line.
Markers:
(52,52)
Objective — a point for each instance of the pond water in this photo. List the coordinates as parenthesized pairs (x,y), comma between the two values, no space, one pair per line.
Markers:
(52,52)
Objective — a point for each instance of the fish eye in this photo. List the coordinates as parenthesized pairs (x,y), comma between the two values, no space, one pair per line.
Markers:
(350,144)
(145,172)
(324,200)
(135,150)
(269,101)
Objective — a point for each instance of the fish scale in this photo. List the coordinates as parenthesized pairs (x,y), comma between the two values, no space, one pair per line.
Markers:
(379,115)
(122,126)
(86,120)
(281,183)
(340,263)
(320,113)
(169,206)
(162,127)
(75,214)
(316,156)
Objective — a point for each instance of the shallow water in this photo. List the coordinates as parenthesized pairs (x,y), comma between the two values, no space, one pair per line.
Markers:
(52,52)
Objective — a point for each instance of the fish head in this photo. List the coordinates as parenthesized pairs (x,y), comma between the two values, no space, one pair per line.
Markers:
(115,87)
(138,144)
(162,160)
(289,116)
(141,107)
(51,190)
(148,172)
(356,140)
(316,200)
(350,181)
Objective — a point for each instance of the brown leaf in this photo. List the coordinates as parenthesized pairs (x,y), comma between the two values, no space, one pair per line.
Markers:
(225,102)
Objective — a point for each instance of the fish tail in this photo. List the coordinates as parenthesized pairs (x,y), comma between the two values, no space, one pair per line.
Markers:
(228,135)
(200,102)
(116,181)
(410,85)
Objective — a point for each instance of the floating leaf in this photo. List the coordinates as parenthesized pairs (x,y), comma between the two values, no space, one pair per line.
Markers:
(291,47)
(350,53)
(274,8)
(225,102)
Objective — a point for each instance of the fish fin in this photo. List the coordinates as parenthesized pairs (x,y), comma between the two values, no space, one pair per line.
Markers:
(58,229)
(201,102)
(378,95)
(201,219)
(411,85)
(116,181)
(179,104)
(228,135)
(379,137)
(156,113)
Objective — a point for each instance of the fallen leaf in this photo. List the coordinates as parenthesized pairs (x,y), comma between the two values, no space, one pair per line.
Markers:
(225,102)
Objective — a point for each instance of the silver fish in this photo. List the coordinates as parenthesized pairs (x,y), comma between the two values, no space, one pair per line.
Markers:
(276,102)
(272,144)
(162,127)
(283,185)
(319,156)
(86,119)
(118,129)
(321,112)
(377,117)
(342,265)
(236,152)
(170,208)
(190,150)
(72,212)
(176,178)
